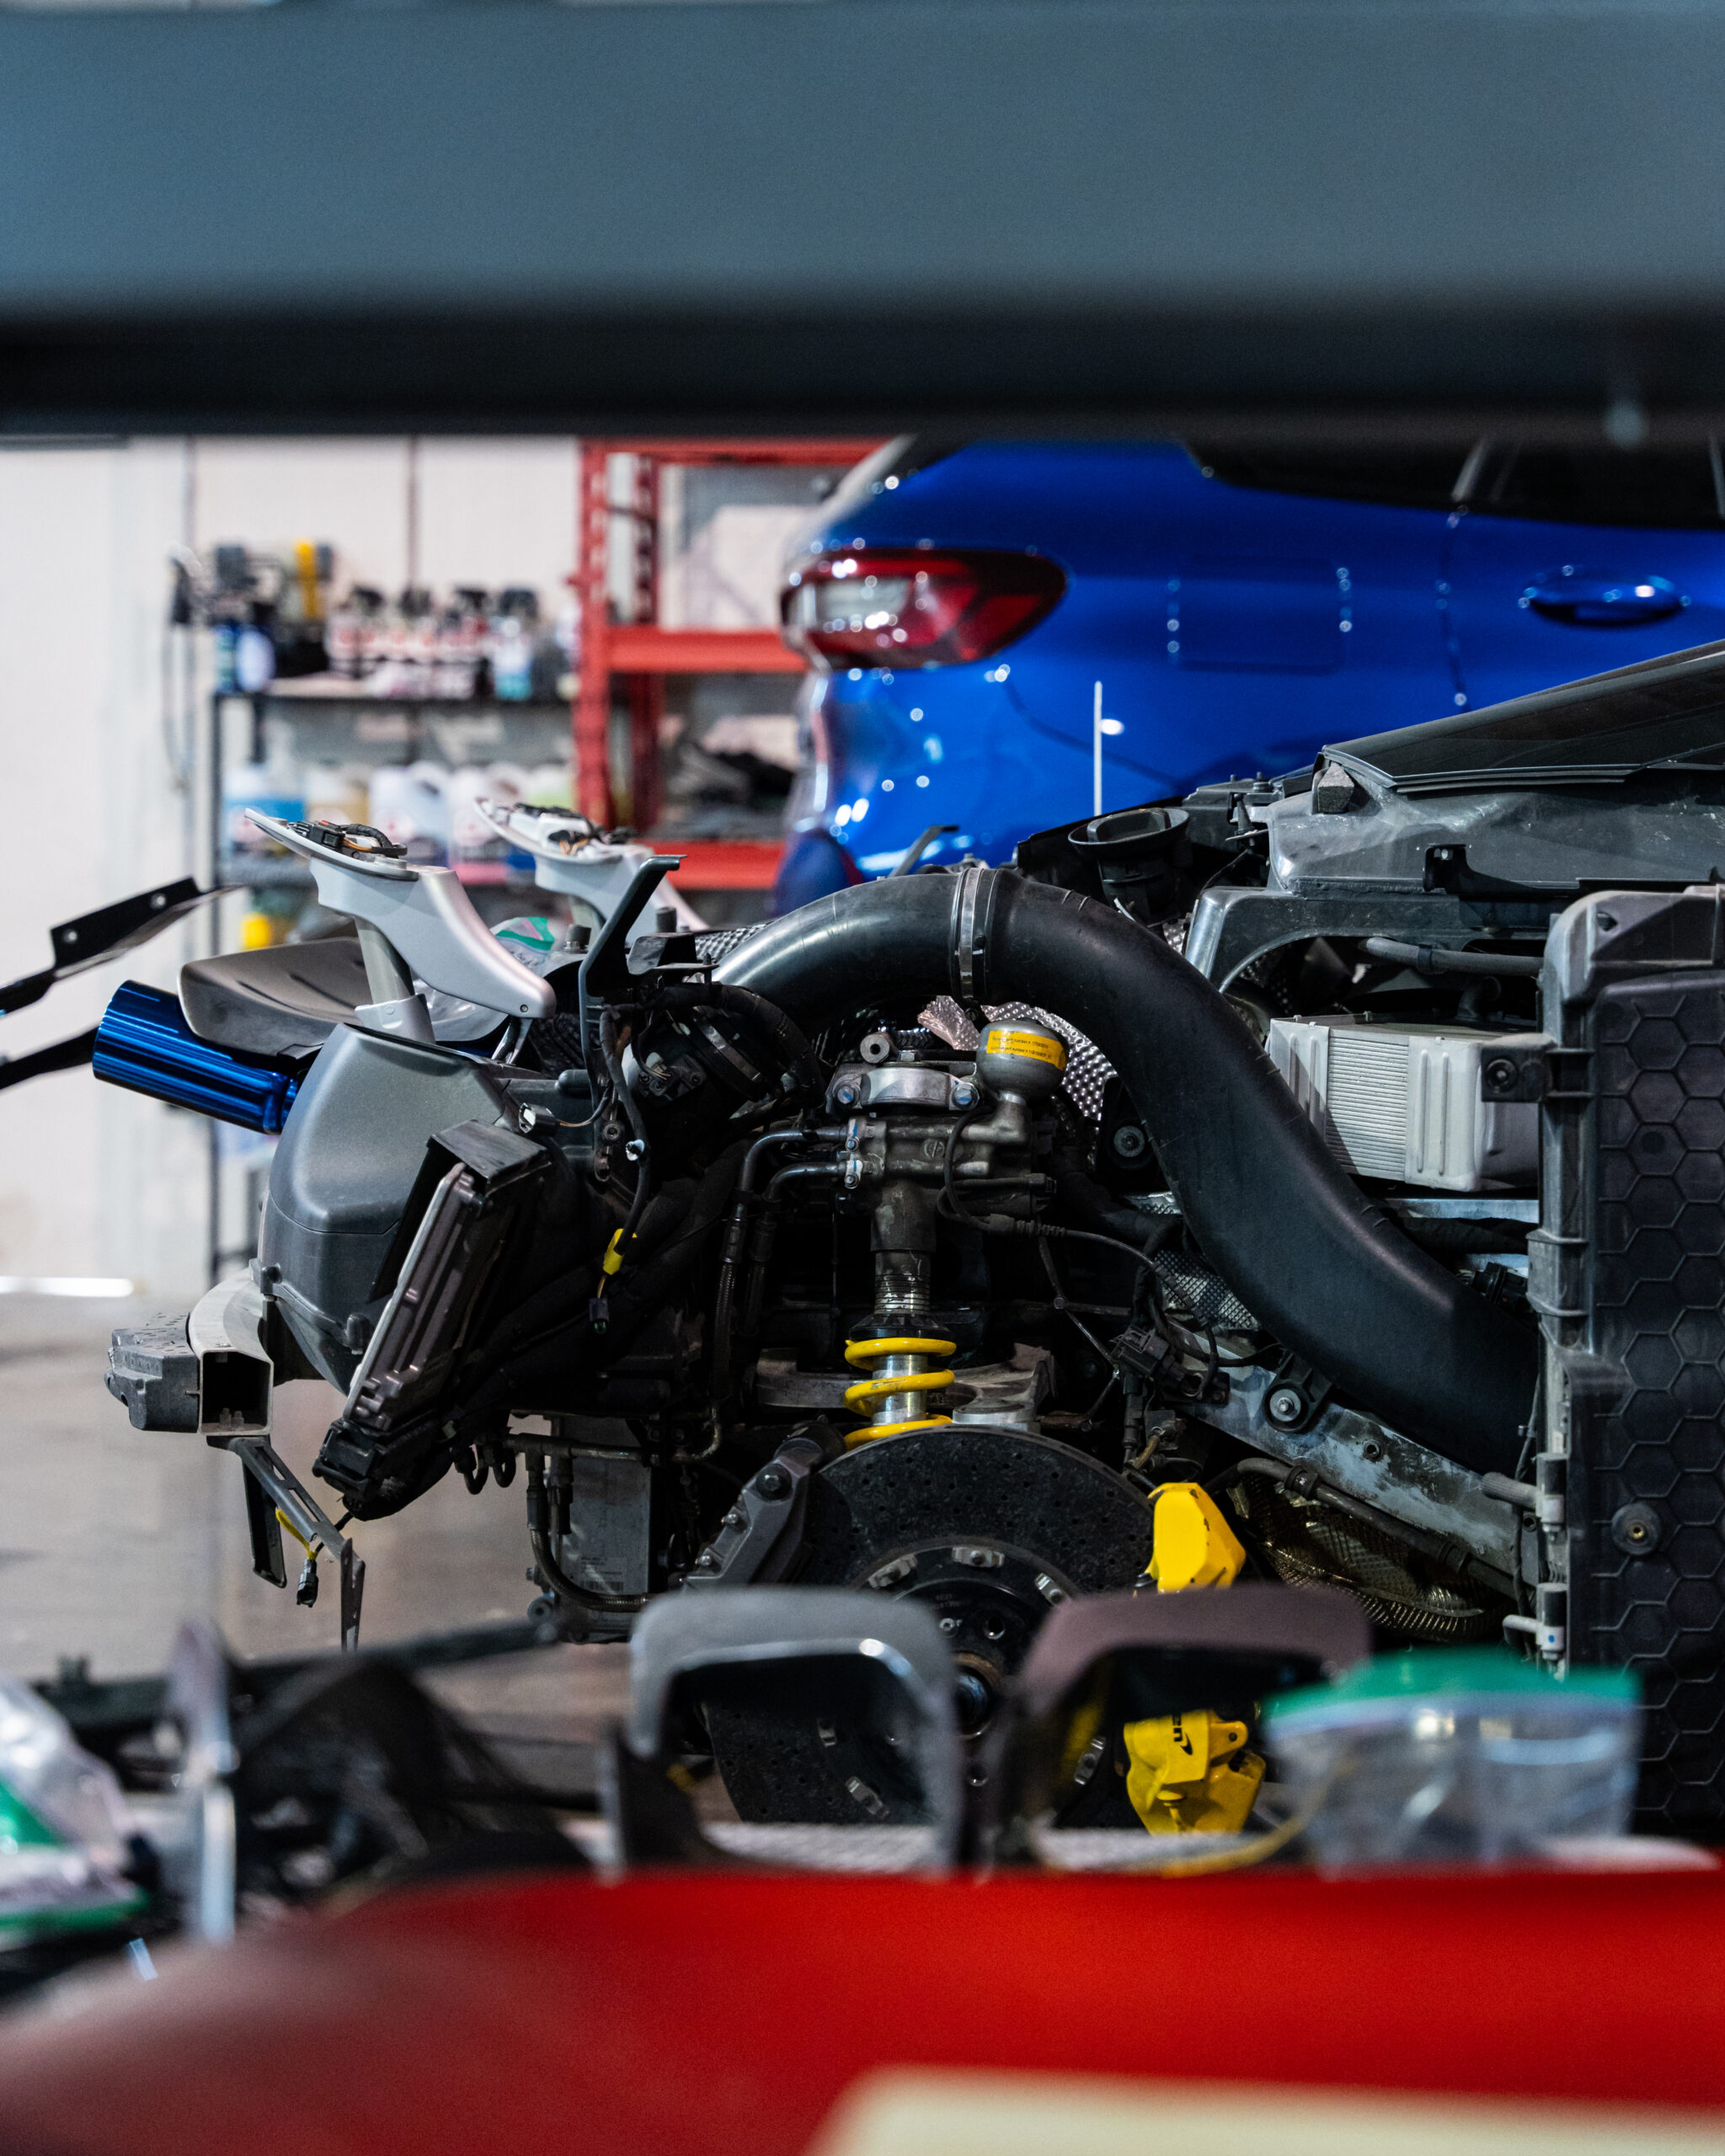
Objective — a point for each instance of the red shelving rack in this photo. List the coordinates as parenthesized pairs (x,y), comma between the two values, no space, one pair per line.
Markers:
(640,653)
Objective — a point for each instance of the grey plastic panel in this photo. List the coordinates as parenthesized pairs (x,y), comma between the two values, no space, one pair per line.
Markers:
(342,1174)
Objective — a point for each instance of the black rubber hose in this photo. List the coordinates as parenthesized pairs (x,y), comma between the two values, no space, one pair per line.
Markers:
(1296,1238)
(1080,1194)
(1432,958)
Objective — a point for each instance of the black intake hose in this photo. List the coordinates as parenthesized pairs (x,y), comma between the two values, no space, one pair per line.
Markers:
(1296,1238)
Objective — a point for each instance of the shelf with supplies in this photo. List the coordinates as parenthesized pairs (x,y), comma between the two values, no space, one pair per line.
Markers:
(410,766)
(334,689)
(622,665)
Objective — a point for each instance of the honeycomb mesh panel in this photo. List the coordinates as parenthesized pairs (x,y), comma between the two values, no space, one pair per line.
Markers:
(714,944)
(1657,1307)
(1202,1291)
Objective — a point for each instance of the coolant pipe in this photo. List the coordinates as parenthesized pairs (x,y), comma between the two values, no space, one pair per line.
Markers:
(145,1044)
(1323,1269)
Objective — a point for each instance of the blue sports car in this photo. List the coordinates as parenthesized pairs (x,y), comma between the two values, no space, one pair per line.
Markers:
(1238,607)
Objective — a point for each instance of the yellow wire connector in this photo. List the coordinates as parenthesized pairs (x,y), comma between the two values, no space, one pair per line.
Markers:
(285,1522)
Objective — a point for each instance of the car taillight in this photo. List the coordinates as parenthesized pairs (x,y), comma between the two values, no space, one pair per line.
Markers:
(906,607)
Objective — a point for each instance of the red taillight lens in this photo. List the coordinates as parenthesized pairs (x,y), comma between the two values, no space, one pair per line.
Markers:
(890,607)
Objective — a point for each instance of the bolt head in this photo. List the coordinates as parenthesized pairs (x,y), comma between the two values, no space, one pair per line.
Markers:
(1285,1405)
(949,1624)
(773,1481)
(1129,1141)
(964,1095)
(1635,1528)
(846,1095)
(1500,1075)
(706,1562)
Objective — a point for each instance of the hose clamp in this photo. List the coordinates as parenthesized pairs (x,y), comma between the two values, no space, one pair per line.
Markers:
(972,912)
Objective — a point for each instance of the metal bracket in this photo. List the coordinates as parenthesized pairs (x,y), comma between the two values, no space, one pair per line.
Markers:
(1533,1067)
(290,1497)
(105,934)
(427,915)
(761,1538)
(605,977)
(1296,1395)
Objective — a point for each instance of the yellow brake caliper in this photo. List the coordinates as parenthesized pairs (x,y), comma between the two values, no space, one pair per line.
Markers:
(1189,1773)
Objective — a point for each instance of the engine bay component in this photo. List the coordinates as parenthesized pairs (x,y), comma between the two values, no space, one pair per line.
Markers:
(756,1666)
(1058,1786)
(475,1202)
(1194,1545)
(1190,1773)
(989,1529)
(1406,1103)
(1342,1146)
(413,923)
(1335,1281)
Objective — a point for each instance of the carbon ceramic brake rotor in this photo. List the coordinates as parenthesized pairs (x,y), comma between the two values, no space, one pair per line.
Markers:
(991,1529)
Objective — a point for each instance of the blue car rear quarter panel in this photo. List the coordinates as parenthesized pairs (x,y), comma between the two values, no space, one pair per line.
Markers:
(1233,630)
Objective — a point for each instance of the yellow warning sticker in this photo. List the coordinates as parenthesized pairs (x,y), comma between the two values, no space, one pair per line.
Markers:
(1039,1048)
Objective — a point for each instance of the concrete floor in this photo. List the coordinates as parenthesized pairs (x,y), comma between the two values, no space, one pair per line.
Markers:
(110,1538)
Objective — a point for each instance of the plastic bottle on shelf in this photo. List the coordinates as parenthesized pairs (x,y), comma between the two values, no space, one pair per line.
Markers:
(459,646)
(514,636)
(410,647)
(336,794)
(226,637)
(373,612)
(409,804)
(253,659)
(470,838)
(341,639)
(469,617)
(351,634)
(273,786)
(511,659)
(550,786)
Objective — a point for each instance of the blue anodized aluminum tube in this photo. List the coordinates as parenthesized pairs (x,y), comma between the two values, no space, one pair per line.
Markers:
(145,1044)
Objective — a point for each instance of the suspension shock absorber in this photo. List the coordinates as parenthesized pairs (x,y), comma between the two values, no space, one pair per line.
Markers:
(904,1358)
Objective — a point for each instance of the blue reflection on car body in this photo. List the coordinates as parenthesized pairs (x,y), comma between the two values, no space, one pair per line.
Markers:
(1235,627)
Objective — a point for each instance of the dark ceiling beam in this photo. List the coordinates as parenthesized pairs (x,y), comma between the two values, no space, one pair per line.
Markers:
(862,214)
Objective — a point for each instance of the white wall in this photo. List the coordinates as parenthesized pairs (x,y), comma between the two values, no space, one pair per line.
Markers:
(91,1180)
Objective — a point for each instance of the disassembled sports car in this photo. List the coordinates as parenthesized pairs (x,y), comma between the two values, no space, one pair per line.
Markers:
(1345,1150)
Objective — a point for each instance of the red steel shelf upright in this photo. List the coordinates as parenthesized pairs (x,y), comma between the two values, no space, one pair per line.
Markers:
(639,653)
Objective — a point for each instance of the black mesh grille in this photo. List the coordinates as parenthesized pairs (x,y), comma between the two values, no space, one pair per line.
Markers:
(1651,1433)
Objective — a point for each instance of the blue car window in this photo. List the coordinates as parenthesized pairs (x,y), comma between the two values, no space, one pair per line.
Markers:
(1660,489)
(1397,478)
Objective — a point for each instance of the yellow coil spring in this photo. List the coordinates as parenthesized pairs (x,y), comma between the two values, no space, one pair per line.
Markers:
(860,1353)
